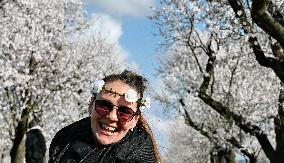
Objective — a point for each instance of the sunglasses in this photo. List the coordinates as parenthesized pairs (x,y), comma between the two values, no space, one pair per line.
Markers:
(124,113)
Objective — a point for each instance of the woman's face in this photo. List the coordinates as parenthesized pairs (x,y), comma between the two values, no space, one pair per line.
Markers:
(108,129)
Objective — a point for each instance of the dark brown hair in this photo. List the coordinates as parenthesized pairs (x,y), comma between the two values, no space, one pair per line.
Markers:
(139,83)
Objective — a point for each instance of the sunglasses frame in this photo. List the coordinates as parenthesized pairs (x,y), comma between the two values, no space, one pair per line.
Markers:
(117,110)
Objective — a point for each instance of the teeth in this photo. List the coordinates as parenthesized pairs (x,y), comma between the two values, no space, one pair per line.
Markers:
(108,127)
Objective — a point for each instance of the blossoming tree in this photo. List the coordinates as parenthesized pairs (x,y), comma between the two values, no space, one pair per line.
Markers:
(224,71)
(49,55)
(181,149)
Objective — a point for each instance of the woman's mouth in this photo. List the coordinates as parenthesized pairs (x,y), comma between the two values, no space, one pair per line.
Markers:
(108,128)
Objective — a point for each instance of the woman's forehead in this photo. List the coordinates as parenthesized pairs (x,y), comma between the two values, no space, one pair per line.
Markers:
(118,86)
(115,92)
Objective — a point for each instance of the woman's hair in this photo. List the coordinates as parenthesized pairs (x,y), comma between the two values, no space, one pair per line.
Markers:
(139,83)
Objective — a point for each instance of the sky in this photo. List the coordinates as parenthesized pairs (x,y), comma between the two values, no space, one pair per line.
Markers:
(125,22)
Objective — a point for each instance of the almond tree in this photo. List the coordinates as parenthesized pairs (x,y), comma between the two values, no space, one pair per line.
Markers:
(223,70)
(48,57)
(181,149)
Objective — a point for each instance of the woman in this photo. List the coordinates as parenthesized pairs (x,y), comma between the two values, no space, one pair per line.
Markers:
(116,132)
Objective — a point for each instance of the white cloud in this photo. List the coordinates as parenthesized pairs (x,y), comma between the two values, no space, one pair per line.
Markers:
(106,27)
(134,8)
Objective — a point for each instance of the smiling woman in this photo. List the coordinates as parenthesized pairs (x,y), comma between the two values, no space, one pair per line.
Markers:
(115,132)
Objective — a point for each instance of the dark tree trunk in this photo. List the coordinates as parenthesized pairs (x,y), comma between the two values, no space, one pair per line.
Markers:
(17,152)
(223,156)
(279,128)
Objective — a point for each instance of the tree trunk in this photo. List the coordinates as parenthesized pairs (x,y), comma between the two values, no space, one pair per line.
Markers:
(18,150)
(223,156)
(19,155)
(279,128)
(253,160)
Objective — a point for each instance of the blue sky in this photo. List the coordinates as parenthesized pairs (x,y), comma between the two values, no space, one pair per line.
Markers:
(137,37)
(140,41)
(127,24)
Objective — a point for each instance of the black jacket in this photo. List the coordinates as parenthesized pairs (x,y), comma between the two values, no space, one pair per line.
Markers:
(75,143)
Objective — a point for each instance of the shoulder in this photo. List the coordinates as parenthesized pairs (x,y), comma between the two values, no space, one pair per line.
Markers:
(145,147)
(141,138)
(139,147)
(76,126)
(67,134)
(67,131)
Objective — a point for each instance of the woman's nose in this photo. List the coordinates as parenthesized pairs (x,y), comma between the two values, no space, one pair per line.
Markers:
(113,114)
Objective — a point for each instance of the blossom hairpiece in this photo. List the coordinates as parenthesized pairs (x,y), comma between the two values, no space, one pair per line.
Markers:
(130,96)
(97,86)
(145,103)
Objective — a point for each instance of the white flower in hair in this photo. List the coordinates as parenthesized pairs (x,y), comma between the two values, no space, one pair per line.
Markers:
(131,96)
(145,103)
(97,86)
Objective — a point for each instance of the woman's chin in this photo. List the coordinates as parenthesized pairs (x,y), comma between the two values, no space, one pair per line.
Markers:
(104,139)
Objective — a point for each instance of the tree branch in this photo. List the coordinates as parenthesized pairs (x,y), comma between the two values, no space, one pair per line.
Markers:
(264,20)
(199,128)
(228,114)
(276,65)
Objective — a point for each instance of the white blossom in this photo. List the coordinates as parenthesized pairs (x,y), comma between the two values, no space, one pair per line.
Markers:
(131,96)
(240,12)
(97,86)
(146,104)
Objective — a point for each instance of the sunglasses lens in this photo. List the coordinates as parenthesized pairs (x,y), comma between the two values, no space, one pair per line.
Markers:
(125,114)
(102,107)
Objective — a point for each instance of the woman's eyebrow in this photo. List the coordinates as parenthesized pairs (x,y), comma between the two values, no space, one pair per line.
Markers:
(105,100)
(112,91)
